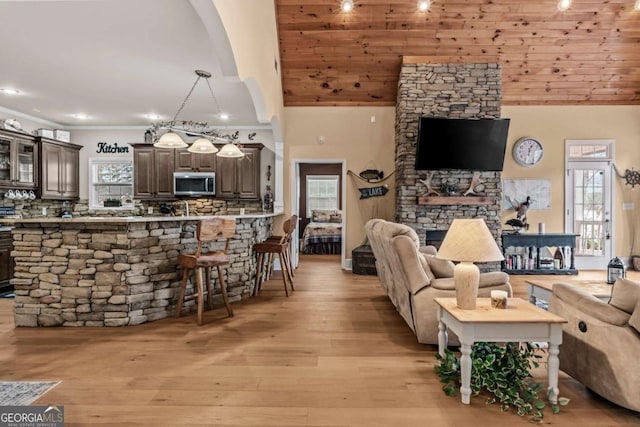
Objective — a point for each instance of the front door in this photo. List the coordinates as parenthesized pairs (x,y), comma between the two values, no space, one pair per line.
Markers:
(589,195)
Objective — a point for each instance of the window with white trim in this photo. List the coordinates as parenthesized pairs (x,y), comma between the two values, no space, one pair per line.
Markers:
(111,184)
(322,193)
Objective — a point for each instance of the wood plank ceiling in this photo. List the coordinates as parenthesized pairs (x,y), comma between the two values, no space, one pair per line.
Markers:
(589,54)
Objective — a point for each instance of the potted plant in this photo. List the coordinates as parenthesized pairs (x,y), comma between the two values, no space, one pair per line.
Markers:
(502,372)
(112,203)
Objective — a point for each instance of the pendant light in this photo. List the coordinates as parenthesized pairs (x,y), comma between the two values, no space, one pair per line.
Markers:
(172,139)
(202,146)
(230,150)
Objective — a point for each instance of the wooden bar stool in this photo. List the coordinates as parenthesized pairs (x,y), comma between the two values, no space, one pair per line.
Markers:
(273,247)
(208,230)
(287,254)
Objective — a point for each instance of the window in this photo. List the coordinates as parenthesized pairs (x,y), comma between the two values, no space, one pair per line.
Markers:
(322,193)
(111,184)
(589,150)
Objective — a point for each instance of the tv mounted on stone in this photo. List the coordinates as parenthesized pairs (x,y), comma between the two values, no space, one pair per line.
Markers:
(468,144)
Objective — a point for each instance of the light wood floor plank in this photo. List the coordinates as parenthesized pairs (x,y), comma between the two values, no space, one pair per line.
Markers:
(334,354)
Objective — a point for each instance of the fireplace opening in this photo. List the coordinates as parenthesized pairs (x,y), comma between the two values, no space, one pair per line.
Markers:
(435,237)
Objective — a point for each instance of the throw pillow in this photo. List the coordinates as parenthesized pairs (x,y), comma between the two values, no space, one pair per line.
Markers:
(321,216)
(425,265)
(625,295)
(441,267)
(336,217)
(634,320)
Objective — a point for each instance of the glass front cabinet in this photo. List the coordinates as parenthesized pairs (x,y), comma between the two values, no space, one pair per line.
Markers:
(18,161)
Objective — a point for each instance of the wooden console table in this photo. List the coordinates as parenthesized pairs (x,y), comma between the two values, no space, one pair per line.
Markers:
(538,241)
(520,322)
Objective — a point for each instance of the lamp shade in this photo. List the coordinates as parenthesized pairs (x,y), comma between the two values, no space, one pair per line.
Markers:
(170,140)
(203,146)
(469,240)
(230,150)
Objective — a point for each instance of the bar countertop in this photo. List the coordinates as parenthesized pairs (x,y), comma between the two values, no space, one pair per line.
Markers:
(130,219)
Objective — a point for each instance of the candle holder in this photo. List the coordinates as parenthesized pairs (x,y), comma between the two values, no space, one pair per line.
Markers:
(499,299)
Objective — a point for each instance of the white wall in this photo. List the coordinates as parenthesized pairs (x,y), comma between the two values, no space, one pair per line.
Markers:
(89,140)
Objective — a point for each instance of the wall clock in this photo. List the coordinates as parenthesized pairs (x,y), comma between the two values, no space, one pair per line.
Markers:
(527,151)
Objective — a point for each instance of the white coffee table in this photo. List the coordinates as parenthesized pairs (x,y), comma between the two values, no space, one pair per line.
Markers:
(520,322)
(541,288)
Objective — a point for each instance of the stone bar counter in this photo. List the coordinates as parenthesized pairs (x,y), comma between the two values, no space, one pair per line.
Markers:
(118,271)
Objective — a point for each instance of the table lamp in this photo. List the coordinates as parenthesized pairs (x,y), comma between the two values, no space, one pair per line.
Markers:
(468,241)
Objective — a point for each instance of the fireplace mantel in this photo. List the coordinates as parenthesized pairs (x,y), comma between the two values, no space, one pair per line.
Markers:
(454,200)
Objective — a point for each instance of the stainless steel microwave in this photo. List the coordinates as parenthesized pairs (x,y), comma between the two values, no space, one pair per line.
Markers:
(194,183)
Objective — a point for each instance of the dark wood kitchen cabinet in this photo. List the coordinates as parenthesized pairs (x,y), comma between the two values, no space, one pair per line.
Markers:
(239,178)
(153,172)
(194,162)
(59,170)
(18,160)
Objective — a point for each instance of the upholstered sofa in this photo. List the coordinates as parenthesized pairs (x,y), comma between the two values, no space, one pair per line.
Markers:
(413,277)
(601,342)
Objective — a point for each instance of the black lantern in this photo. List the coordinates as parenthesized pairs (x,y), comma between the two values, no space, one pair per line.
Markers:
(615,269)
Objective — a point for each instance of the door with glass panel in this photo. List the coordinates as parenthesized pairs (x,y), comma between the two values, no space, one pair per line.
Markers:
(18,160)
(26,161)
(589,195)
(5,161)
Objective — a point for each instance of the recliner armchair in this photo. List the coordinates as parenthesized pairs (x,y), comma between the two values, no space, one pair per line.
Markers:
(413,277)
(600,341)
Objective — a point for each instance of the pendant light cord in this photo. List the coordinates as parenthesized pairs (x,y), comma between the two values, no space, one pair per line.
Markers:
(187,98)
(215,100)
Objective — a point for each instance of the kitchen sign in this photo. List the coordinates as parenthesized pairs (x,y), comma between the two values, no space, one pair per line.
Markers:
(106,148)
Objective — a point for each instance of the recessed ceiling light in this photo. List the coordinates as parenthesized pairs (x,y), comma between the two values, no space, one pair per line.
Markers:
(153,116)
(81,116)
(423,5)
(564,5)
(9,91)
(223,116)
(346,5)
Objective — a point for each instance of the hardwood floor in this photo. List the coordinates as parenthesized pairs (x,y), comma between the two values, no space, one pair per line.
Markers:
(335,353)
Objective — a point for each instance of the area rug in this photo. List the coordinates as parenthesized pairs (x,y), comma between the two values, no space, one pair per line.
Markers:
(18,393)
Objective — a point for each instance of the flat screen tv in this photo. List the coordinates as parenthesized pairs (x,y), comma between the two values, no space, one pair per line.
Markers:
(471,144)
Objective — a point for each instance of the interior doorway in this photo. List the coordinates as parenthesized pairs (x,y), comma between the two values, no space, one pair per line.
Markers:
(323,175)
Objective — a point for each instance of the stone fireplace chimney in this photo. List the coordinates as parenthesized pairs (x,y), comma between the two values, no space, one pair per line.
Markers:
(444,87)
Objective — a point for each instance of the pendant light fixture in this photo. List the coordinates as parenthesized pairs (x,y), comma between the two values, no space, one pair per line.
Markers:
(202,146)
(172,140)
(230,150)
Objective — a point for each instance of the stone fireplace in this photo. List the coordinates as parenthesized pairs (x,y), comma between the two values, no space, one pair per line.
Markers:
(443,87)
